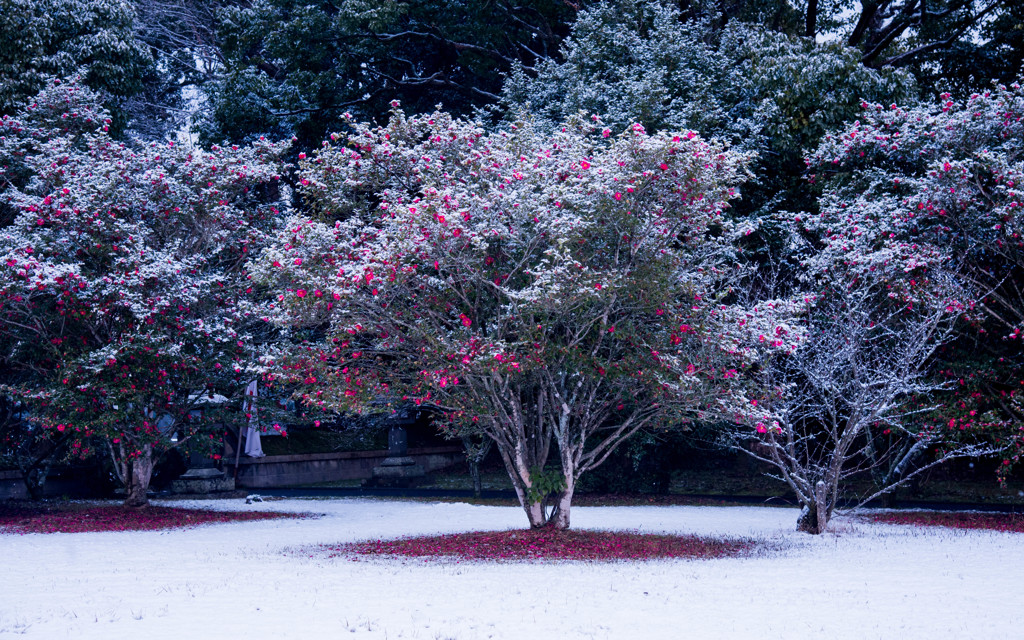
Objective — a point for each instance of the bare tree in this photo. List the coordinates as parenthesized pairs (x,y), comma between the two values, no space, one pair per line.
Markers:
(863,369)
(181,38)
(934,25)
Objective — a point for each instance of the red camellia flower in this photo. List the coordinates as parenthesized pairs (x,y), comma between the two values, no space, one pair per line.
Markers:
(301,293)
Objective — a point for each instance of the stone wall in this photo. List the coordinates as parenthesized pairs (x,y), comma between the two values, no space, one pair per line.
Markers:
(291,470)
(13,488)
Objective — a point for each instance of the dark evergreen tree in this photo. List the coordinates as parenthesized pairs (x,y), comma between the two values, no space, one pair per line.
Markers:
(292,68)
(47,38)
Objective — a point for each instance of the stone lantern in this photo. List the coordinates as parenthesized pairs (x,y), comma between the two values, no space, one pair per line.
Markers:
(399,469)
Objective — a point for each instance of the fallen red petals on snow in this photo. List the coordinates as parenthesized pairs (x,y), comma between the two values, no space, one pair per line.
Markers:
(79,518)
(546,544)
(1009,522)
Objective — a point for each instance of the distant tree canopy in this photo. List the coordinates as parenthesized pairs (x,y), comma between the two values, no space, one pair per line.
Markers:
(41,38)
(282,68)
(294,67)
(641,61)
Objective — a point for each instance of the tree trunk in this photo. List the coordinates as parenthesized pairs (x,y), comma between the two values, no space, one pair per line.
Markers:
(822,508)
(811,22)
(808,520)
(137,473)
(815,515)
(475,454)
(560,516)
(474,473)
(535,514)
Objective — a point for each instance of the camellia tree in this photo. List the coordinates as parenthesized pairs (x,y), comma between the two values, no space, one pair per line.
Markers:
(122,285)
(554,292)
(918,227)
(941,186)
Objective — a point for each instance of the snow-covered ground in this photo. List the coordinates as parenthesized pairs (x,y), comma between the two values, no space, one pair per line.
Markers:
(245,580)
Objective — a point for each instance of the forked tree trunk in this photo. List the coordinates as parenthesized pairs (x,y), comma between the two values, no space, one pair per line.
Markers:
(815,515)
(553,511)
(137,472)
(522,483)
(560,517)
(537,511)
(535,514)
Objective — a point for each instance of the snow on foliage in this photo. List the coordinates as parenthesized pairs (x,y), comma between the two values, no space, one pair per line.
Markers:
(528,286)
(640,60)
(40,39)
(907,189)
(122,283)
(918,225)
(913,190)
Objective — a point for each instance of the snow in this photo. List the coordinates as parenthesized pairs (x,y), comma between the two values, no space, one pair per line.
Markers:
(250,580)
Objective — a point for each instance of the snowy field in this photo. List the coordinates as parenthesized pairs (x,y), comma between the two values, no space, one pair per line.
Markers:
(245,580)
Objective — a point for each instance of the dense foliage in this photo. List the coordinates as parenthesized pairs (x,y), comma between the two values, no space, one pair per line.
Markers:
(570,287)
(122,287)
(293,68)
(555,259)
(55,38)
(769,93)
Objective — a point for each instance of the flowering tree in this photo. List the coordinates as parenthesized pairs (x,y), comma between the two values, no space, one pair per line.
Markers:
(121,278)
(916,228)
(939,187)
(566,289)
